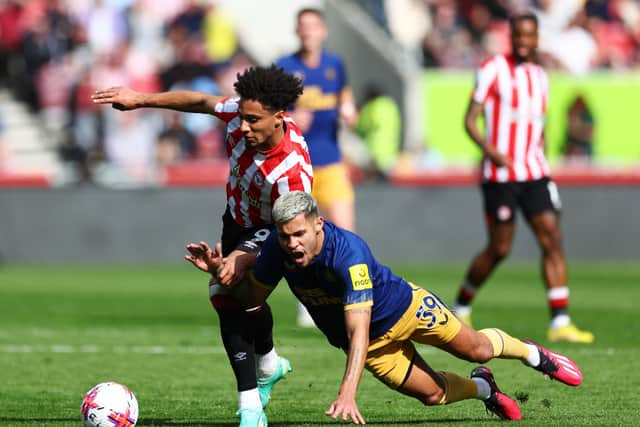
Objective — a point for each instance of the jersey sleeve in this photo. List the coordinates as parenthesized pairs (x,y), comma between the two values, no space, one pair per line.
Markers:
(485,79)
(354,267)
(227,109)
(268,268)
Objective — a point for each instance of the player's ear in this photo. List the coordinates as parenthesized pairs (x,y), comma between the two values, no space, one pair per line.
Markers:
(319,222)
(279,116)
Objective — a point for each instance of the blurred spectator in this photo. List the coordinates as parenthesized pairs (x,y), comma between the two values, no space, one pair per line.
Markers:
(130,145)
(54,53)
(572,48)
(191,18)
(175,143)
(408,21)
(575,35)
(579,143)
(379,126)
(219,37)
(11,30)
(85,128)
(106,28)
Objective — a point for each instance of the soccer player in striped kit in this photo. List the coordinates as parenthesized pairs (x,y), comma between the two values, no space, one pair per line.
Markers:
(511,91)
(268,157)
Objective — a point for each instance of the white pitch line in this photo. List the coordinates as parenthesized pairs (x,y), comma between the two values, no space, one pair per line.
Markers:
(154,349)
(151,349)
(160,349)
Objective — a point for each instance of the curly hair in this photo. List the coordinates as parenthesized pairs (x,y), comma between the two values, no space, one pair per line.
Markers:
(271,86)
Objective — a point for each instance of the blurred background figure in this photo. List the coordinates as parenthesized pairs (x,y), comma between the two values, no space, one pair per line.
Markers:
(175,143)
(326,103)
(379,125)
(579,143)
(50,49)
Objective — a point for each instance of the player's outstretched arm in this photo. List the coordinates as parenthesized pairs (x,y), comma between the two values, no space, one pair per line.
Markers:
(357,323)
(124,98)
(204,258)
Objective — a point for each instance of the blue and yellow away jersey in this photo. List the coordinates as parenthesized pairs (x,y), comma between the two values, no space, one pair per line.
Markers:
(344,275)
(322,87)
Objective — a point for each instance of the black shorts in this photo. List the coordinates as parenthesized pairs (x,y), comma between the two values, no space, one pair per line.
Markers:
(501,199)
(234,236)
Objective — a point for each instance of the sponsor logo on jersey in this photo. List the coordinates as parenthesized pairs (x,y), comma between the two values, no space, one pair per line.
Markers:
(360,279)
(315,100)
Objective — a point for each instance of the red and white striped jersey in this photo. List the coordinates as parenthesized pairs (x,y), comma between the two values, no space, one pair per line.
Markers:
(515,99)
(257,179)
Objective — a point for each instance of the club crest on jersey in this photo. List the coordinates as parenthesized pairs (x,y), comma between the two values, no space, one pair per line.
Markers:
(360,278)
(330,74)
(258,180)
(235,171)
(504,213)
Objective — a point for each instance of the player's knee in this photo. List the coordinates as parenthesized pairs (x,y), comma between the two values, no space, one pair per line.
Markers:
(478,349)
(434,397)
(550,244)
(500,251)
(481,353)
(222,302)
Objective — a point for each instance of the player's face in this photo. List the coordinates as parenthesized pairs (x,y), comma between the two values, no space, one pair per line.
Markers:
(259,125)
(312,31)
(301,238)
(524,39)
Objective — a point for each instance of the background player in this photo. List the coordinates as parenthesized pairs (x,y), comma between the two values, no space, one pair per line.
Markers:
(267,157)
(374,315)
(512,92)
(326,100)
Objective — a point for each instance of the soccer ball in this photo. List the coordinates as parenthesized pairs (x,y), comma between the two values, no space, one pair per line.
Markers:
(109,404)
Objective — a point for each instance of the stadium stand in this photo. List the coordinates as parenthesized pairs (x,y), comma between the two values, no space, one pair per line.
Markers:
(53,53)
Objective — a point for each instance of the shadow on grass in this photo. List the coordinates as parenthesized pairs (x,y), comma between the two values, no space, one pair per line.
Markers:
(179,423)
(169,423)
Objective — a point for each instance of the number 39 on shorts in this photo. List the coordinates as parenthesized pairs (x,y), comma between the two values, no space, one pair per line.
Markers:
(429,311)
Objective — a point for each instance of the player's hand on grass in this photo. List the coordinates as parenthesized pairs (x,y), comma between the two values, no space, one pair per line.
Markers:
(120,98)
(203,257)
(345,408)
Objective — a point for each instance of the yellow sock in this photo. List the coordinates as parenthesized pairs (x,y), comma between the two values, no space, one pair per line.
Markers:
(505,346)
(457,388)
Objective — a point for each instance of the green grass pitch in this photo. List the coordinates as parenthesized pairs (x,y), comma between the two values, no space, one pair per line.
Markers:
(64,329)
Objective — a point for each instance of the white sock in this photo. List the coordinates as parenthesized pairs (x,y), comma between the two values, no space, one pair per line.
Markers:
(267,363)
(533,359)
(461,310)
(560,321)
(249,399)
(484,389)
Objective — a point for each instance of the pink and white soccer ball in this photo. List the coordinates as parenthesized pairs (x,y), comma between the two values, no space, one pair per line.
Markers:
(109,404)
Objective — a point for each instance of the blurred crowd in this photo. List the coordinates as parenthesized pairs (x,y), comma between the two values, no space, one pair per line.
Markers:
(55,53)
(577,36)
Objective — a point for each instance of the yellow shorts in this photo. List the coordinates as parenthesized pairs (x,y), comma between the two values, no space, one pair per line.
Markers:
(426,321)
(332,184)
